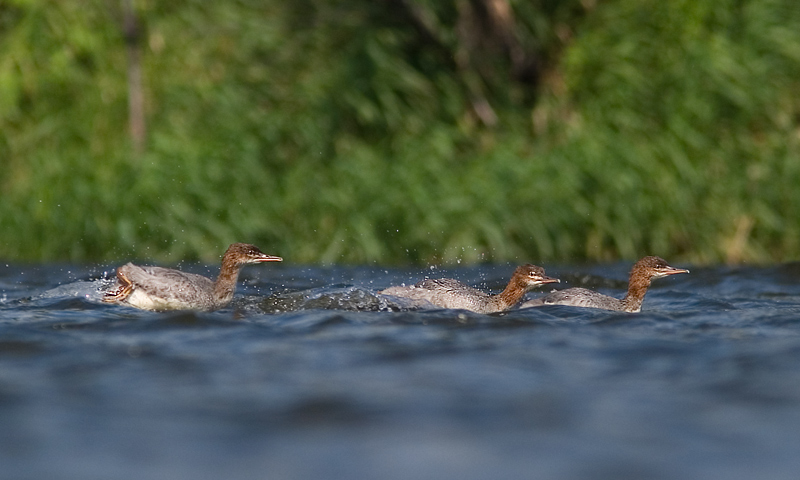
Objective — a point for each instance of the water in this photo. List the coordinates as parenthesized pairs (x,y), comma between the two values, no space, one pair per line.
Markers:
(310,375)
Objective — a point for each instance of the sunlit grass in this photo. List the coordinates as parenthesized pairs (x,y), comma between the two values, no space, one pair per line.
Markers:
(671,132)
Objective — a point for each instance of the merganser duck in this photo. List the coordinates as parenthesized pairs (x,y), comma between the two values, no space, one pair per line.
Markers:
(449,293)
(159,289)
(642,273)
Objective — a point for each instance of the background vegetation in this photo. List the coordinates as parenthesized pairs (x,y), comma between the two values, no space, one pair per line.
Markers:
(400,131)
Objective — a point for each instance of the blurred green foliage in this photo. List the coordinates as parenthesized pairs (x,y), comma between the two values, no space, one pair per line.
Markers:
(403,130)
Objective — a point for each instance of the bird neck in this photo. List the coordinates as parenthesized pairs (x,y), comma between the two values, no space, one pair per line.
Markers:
(225,284)
(512,294)
(637,288)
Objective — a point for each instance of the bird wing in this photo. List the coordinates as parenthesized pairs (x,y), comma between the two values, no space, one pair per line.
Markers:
(170,285)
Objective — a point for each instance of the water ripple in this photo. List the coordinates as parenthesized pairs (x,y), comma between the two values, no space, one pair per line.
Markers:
(310,373)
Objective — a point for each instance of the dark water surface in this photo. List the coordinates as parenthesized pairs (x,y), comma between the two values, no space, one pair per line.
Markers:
(309,374)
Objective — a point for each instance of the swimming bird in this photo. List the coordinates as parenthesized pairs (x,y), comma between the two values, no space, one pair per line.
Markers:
(157,288)
(642,273)
(450,293)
